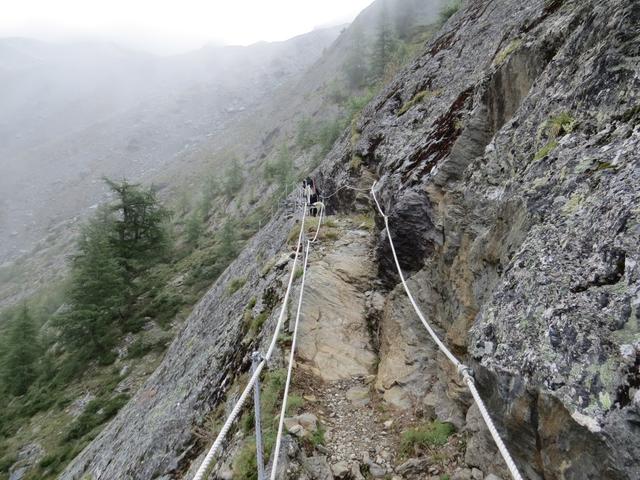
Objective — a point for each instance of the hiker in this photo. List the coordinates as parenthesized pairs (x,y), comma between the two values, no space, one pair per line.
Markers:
(311,195)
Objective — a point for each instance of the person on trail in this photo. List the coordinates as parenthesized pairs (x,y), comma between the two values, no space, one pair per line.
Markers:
(311,194)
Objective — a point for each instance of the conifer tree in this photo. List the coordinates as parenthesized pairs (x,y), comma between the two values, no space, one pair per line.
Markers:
(19,368)
(356,67)
(384,46)
(232,178)
(281,169)
(228,249)
(194,228)
(98,290)
(140,237)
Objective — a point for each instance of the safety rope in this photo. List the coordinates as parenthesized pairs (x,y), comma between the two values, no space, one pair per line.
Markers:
(204,466)
(462,369)
(348,187)
(285,397)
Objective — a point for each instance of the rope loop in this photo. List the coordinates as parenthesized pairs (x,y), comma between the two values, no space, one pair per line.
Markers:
(465,372)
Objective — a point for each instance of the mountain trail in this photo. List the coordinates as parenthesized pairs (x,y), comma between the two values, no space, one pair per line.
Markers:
(336,358)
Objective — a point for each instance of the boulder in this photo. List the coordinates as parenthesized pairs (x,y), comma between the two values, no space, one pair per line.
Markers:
(318,468)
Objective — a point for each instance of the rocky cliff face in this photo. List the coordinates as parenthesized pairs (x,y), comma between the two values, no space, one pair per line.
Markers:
(508,163)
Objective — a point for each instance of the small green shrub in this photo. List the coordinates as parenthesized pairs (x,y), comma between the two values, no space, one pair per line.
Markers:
(252,303)
(267,267)
(298,274)
(95,413)
(257,322)
(356,163)
(560,125)
(294,404)
(331,235)
(546,150)
(235,285)
(330,223)
(417,98)
(245,464)
(507,51)
(284,339)
(432,434)
(447,11)
(364,221)
(317,438)
(630,114)
(140,348)
(6,462)
(556,127)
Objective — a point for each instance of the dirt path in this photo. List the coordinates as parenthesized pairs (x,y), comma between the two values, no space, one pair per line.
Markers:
(337,363)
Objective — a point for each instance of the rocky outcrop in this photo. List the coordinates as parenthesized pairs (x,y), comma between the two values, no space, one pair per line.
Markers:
(510,187)
(507,158)
(334,341)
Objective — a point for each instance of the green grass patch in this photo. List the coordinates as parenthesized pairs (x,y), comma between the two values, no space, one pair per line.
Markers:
(235,285)
(267,267)
(317,437)
(554,128)
(560,125)
(507,51)
(417,98)
(546,150)
(330,222)
(294,404)
(245,464)
(364,221)
(356,163)
(331,234)
(448,10)
(95,413)
(257,322)
(433,434)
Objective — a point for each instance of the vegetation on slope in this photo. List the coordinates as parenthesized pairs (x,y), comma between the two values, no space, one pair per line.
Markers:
(73,353)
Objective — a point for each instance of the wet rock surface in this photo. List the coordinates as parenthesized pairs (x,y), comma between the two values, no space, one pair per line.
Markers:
(334,340)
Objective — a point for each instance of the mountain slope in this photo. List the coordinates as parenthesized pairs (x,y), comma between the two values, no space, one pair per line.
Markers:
(79,112)
(507,159)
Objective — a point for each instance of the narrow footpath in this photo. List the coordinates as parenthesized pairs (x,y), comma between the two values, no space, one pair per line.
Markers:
(337,362)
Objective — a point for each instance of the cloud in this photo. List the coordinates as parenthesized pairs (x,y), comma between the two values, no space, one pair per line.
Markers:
(168,26)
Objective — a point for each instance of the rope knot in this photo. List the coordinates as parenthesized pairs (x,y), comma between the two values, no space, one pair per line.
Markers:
(465,371)
(256,357)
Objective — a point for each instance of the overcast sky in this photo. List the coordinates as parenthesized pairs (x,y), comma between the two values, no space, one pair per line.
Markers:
(172,26)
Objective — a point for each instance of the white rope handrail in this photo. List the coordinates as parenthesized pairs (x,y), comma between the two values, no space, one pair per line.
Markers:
(285,397)
(204,466)
(283,411)
(462,369)
(348,187)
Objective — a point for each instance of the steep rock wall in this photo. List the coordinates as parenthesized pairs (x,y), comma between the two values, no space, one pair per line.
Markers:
(508,164)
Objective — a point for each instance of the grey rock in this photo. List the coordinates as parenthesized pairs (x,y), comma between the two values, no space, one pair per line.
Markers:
(476,474)
(318,468)
(340,469)
(414,466)
(18,473)
(377,471)
(462,474)
(356,474)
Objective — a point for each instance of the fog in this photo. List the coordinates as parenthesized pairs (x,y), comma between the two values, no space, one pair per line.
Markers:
(172,27)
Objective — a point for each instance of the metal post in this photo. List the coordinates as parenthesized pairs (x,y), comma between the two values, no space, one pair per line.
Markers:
(255,360)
